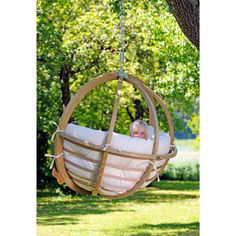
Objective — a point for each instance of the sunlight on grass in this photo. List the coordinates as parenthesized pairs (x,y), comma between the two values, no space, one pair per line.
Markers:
(167,208)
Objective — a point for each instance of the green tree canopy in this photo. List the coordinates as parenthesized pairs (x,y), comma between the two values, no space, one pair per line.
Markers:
(79,40)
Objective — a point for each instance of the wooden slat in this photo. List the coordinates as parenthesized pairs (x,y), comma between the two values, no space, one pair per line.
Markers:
(109,150)
(79,176)
(82,185)
(159,167)
(169,155)
(121,178)
(107,190)
(133,155)
(80,142)
(79,167)
(151,179)
(81,156)
(108,137)
(125,168)
(120,188)
(75,177)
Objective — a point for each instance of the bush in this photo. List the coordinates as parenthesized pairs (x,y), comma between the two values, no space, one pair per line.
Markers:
(193,124)
(181,172)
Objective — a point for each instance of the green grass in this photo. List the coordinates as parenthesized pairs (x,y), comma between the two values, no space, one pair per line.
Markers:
(167,208)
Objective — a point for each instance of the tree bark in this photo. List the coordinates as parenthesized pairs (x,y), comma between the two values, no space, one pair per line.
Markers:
(65,86)
(139,110)
(186,13)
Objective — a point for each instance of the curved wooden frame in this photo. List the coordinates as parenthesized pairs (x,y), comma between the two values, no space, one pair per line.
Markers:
(156,98)
(149,97)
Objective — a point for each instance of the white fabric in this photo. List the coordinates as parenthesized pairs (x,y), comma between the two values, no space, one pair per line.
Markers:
(116,166)
(150,132)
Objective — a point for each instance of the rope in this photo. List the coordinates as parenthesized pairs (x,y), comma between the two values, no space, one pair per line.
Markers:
(53,135)
(109,146)
(121,73)
(106,146)
(156,170)
(54,157)
(57,130)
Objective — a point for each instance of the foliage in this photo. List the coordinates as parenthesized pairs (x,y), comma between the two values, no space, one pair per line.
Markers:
(194,124)
(81,39)
(181,172)
(168,208)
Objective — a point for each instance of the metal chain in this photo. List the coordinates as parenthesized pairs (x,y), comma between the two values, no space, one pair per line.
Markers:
(122,74)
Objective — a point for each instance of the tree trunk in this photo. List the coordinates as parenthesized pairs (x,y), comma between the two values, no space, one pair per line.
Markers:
(186,12)
(65,86)
(139,111)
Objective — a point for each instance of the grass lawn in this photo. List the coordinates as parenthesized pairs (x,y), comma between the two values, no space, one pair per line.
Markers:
(166,208)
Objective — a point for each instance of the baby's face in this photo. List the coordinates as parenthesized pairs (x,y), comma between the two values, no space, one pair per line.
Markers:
(139,133)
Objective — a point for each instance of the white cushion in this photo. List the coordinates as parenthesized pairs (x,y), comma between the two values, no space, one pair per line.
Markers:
(120,174)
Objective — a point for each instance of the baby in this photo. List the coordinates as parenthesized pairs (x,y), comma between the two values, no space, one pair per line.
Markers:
(139,129)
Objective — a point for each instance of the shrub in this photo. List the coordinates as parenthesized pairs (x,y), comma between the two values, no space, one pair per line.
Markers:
(181,172)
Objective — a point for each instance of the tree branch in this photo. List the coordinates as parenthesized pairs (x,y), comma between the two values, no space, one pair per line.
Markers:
(186,13)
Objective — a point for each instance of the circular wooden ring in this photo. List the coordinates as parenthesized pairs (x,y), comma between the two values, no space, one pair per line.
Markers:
(74,103)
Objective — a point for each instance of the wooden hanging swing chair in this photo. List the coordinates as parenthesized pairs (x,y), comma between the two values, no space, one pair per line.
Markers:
(102,167)
(155,163)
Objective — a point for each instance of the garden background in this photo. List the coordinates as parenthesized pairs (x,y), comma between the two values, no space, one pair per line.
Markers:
(79,40)
(18,119)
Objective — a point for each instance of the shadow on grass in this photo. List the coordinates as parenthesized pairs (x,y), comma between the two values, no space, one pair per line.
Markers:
(151,195)
(62,210)
(57,209)
(187,229)
(176,185)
